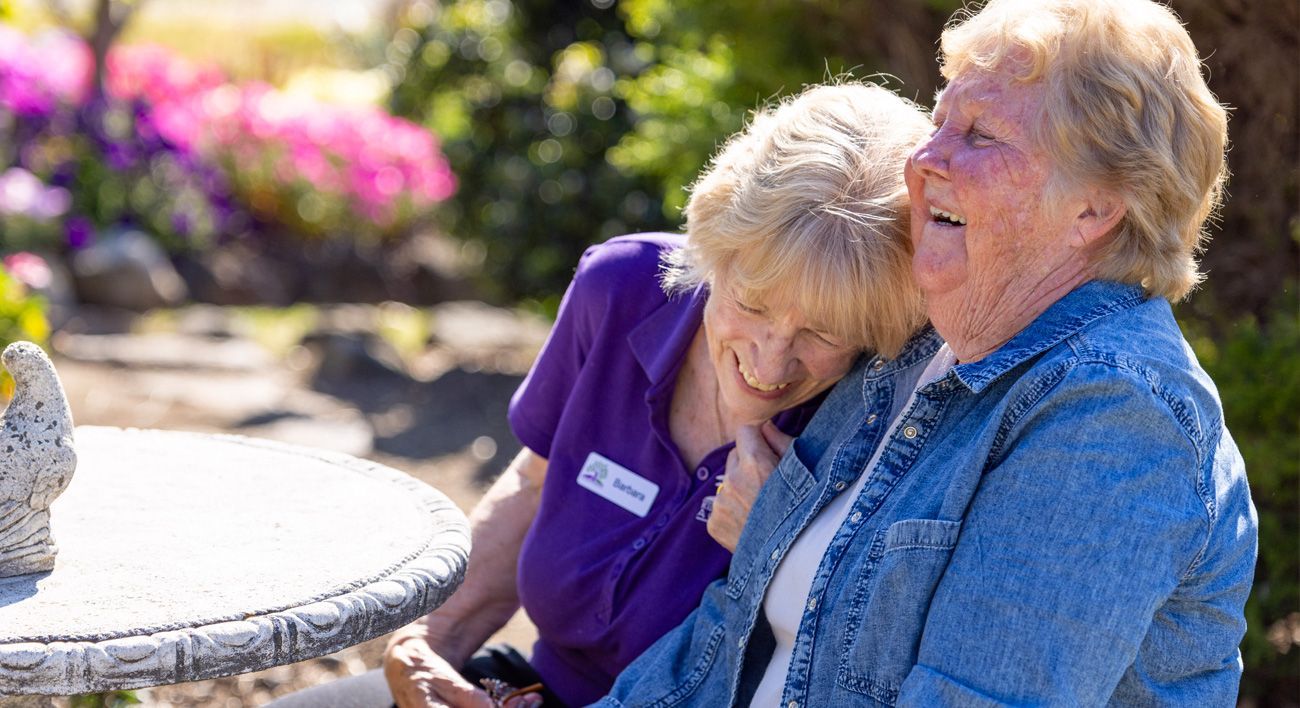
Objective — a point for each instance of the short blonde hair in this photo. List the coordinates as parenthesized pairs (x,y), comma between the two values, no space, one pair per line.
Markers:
(1126,109)
(808,205)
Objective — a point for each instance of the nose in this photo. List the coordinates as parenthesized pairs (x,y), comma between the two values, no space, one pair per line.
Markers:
(930,158)
(773,353)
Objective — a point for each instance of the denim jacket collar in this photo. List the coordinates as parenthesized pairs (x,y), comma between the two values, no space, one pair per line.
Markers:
(1067,316)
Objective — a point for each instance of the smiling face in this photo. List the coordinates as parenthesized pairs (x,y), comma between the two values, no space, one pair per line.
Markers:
(767,355)
(991,250)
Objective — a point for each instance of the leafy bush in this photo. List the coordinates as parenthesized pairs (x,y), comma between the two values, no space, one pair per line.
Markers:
(1258,375)
(524,95)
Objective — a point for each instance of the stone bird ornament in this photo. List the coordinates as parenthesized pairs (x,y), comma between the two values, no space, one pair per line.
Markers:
(36,460)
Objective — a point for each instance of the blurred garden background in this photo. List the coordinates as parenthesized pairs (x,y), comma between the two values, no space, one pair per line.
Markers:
(388,196)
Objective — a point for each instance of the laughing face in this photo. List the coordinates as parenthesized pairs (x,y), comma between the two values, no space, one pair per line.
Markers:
(989,246)
(767,356)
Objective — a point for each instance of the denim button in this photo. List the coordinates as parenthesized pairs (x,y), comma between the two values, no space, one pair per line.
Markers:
(812,604)
(880,364)
(909,432)
(702,473)
(857,516)
(839,486)
(775,553)
(792,704)
(741,642)
(638,544)
(871,419)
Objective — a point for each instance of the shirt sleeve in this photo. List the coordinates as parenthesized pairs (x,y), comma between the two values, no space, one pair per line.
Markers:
(1070,546)
(538,404)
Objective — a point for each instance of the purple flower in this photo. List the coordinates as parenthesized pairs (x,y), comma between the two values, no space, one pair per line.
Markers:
(80,232)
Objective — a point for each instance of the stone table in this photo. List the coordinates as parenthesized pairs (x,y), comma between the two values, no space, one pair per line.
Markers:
(185,556)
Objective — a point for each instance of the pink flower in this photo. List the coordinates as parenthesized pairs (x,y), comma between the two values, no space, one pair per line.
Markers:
(30,269)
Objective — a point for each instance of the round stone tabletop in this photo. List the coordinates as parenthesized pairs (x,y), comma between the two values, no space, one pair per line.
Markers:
(185,556)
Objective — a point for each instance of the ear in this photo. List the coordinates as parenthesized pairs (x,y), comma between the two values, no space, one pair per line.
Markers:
(1100,214)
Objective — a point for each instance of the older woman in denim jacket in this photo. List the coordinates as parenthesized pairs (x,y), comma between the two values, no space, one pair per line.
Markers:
(1037,502)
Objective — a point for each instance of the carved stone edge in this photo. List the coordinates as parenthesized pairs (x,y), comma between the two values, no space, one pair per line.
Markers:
(257,641)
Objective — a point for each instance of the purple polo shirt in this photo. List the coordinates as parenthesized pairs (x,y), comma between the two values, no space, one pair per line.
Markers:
(601,581)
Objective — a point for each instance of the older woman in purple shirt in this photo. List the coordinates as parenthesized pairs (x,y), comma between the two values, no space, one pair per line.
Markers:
(664,347)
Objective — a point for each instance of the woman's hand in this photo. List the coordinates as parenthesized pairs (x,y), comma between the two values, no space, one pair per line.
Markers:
(418,677)
(750,463)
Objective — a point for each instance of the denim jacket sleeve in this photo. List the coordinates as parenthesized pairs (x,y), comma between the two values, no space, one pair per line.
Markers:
(1036,606)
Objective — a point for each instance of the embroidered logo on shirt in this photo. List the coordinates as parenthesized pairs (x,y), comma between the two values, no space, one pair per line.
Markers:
(706,509)
(617,484)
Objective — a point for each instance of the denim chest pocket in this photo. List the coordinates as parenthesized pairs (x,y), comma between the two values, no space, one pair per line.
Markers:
(893,590)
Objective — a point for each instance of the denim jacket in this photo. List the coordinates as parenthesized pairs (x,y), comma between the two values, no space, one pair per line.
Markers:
(1064,522)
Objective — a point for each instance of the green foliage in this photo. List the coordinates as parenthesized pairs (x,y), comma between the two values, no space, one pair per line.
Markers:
(714,61)
(567,123)
(524,98)
(22,317)
(1258,374)
(108,699)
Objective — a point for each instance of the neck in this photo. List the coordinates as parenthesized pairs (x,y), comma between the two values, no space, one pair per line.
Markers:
(976,325)
(697,418)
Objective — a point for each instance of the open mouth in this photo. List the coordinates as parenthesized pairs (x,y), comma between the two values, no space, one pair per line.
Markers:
(939,216)
(755,384)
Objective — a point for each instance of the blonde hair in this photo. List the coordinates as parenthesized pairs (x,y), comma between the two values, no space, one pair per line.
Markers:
(808,205)
(1126,109)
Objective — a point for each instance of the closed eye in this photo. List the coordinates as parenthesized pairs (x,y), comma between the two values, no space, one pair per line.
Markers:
(825,338)
(980,133)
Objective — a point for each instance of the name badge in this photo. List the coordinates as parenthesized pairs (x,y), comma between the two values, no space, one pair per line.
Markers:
(617,484)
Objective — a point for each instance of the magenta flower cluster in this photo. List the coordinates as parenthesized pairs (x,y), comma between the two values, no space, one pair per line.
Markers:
(317,166)
(288,163)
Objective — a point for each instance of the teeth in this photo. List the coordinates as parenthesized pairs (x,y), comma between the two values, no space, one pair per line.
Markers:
(756,384)
(947,216)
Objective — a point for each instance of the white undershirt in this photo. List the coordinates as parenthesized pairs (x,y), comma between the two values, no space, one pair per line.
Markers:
(794,575)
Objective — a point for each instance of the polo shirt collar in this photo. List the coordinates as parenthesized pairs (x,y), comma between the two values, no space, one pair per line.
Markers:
(1064,318)
(659,341)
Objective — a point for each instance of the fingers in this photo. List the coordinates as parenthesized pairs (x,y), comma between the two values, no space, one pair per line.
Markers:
(749,465)
(450,688)
(528,700)
(755,457)
(418,677)
(778,441)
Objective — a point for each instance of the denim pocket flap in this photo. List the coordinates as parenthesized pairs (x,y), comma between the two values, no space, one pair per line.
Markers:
(796,472)
(922,533)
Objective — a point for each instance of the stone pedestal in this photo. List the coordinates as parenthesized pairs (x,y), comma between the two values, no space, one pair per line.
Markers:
(186,556)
